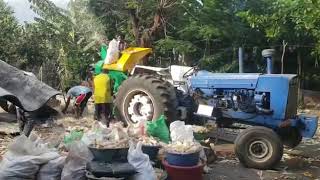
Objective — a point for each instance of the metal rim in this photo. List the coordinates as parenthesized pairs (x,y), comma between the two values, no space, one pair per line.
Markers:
(139,107)
(260,150)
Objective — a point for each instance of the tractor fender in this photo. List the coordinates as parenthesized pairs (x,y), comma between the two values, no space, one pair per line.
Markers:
(307,125)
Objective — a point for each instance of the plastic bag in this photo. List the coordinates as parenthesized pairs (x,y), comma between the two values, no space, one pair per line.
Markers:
(52,170)
(137,130)
(103,51)
(159,129)
(112,52)
(97,134)
(98,67)
(181,132)
(73,136)
(117,78)
(24,157)
(141,163)
(75,166)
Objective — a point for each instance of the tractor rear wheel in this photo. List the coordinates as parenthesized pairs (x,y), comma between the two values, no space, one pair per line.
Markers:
(258,147)
(145,98)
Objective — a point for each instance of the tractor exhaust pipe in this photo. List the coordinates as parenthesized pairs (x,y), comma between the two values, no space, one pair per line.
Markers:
(240,60)
(267,55)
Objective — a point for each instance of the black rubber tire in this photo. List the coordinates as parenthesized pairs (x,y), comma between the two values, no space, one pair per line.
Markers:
(12,109)
(158,90)
(4,105)
(172,93)
(290,137)
(256,134)
(8,107)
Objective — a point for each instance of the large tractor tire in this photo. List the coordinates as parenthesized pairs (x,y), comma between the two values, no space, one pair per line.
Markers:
(258,147)
(145,98)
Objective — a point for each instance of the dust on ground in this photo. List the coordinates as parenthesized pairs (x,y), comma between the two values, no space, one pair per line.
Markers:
(52,133)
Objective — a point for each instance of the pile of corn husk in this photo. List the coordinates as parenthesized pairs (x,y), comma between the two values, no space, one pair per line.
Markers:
(77,128)
(183,147)
(200,129)
(115,137)
(149,141)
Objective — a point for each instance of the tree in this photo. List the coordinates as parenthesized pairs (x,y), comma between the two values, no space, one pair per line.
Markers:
(66,40)
(294,21)
(10,32)
(143,21)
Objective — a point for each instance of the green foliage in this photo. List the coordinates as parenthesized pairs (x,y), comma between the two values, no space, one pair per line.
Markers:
(67,39)
(296,22)
(10,32)
(167,44)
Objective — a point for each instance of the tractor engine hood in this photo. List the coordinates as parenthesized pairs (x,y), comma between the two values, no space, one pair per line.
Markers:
(206,79)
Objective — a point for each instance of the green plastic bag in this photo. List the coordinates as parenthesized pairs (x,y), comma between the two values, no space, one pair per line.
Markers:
(103,51)
(159,129)
(118,77)
(98,67)
(74,135)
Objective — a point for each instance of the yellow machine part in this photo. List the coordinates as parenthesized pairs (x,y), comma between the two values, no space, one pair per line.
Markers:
(129,58)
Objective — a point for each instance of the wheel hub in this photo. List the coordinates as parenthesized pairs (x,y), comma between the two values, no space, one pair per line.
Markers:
(140,108)
(258,149)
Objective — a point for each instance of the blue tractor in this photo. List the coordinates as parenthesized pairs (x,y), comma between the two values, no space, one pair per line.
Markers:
(266,102)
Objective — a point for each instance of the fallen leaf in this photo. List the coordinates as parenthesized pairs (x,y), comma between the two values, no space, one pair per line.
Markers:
(308,174)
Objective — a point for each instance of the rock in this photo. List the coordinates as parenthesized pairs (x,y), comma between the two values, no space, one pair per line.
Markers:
(315,163)
(224,150)
(295,163)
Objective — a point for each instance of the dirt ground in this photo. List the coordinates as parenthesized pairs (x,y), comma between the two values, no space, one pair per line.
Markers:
(301,163)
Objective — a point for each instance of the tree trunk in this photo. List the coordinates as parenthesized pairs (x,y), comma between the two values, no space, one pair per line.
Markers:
(300,82)
(284,45)
(148,34)
(135,25)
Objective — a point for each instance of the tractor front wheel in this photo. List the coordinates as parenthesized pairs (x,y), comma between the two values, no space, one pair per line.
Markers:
(258,147)
(290,136)
(145,98)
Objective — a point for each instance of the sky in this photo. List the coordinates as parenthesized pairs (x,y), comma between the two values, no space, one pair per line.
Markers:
(22,11)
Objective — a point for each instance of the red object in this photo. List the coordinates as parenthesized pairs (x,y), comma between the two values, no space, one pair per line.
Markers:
(80,98)
(183,173)
(142,130)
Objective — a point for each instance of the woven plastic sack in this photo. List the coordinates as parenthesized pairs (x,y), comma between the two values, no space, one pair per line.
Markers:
(112,52)
(141,163)
(24,158)
(75,166)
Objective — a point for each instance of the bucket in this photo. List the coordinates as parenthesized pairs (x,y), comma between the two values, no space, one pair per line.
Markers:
(151,151)
(181,173)
(109,155)
(176,159)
